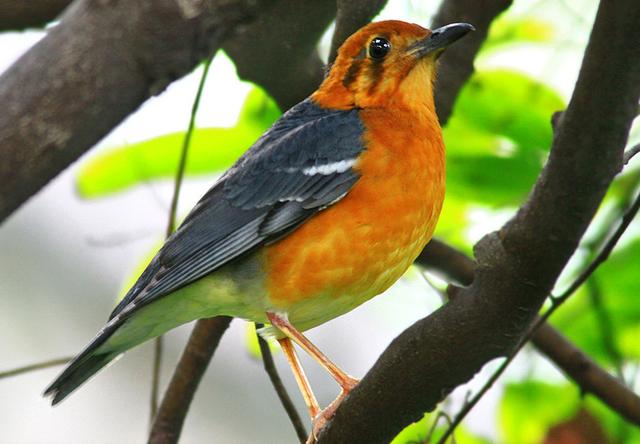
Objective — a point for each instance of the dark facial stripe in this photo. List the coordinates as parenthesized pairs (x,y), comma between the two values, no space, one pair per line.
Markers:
(375,73)
(352,73)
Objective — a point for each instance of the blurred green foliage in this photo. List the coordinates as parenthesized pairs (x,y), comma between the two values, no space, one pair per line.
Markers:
(211,150)
(618,280)
(423,432)
(498,137)
(506,30)
(528,409)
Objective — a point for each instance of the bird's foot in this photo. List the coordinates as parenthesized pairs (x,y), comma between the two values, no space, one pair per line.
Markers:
(328,412)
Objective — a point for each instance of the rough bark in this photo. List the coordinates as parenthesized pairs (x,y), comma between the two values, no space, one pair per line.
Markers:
(18,15)
(97,66)
(278,51)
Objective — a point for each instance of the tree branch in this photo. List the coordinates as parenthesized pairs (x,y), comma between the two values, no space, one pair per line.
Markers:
(18,15)
(627,396)
(517,266)
(453,264)
(202,343)
(586,373)
(82,79)
(589,376)
(281,391)
(628,155)
(32,367)
(278,50)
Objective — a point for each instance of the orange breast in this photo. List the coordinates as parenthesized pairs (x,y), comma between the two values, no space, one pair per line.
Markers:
(360,246)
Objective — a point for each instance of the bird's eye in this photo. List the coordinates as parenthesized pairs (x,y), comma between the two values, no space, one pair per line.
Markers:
(379,47)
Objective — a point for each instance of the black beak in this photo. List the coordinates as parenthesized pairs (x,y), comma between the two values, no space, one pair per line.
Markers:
(440,38)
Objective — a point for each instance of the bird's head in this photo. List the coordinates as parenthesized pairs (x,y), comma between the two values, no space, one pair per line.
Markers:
(389,61)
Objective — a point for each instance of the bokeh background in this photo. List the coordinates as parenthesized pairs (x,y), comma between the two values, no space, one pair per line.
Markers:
(66,255)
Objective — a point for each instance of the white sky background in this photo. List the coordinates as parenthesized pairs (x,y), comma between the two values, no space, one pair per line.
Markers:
(63,261)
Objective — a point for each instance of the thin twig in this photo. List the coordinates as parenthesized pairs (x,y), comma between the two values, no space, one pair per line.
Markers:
(192,365)
(186,142)
(281,391)
(185,148)
(36,366)
(155,377)
(432,429)
(606,326)
(590,377)
(627,218)
(556,302)
(476,398)
(628,155)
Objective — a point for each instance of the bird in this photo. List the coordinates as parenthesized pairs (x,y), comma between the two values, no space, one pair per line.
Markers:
(327,209)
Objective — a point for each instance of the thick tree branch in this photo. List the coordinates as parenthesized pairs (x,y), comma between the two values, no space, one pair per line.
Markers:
(586,373)
(456,64)
(453,264)
(83,78)
(557,301)
(517,266)
(202,344)
(18,15)
(278,50)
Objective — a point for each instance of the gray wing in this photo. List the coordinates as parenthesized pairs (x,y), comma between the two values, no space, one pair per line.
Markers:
(299,167)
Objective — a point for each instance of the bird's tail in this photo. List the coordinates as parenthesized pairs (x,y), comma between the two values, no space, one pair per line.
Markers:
(94,357)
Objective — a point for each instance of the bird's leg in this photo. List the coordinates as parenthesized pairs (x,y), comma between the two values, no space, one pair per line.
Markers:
(301,378)
(345,381)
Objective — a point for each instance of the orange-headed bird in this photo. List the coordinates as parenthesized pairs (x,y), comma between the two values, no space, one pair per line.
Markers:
(326,210)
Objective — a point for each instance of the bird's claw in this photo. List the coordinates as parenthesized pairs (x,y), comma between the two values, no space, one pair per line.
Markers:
(328,412)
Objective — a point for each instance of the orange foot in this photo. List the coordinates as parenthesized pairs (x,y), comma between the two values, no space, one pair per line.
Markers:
(322,418)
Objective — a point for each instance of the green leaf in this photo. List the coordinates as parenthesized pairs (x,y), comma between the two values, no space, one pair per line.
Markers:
(619,430)
(619,285)
(510,104)
(252,345)
(529,408)
(417,433)
(507,30)
(211,150)
(259,108)
(498,137)
(497,181)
